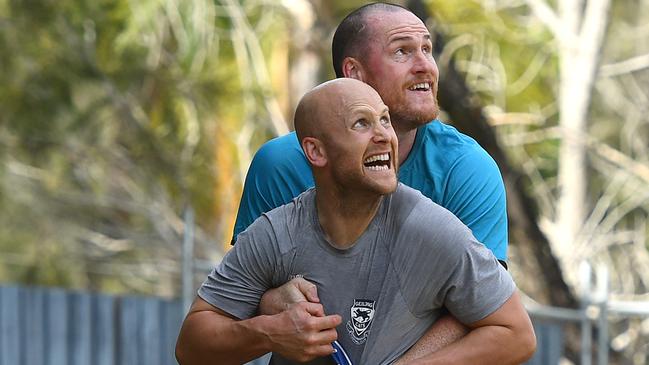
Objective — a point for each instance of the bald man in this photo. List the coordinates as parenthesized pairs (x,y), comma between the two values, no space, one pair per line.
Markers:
(384,258)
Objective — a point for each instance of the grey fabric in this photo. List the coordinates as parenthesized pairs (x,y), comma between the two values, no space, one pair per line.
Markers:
(390,286)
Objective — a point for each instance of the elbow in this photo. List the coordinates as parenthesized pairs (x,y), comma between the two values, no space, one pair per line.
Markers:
(185,355)
(180,353)
(526,345)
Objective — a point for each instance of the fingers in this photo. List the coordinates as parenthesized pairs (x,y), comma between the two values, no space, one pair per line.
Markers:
(308,289)
(330,321)
(311,317)
(319,319)
(310,333)
(314,309)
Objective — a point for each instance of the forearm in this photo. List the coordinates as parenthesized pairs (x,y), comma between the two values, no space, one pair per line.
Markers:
(209,338)
(442,333)
(484,345)
(300,333)
(504,337)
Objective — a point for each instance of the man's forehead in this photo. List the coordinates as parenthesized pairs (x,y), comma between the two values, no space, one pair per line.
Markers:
(397,25)
(363,102)
(343,95)
(355,94)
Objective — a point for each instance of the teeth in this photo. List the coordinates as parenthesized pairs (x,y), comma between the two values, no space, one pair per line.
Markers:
(420,86)
(378,168)
(383,157)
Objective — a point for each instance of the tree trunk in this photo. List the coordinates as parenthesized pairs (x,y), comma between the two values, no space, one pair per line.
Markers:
(580,42)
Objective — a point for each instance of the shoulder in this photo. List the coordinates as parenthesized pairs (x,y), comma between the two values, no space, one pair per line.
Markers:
(457,161)
(413,214)
(442,154)
(283,148)
(281,161)
(286,221)
(449,145)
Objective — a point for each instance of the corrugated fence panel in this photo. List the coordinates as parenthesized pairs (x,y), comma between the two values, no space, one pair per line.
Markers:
(80,344)
(172,319)
(57,327)
(41,326)
(103,330)
(10,326)
(151,332)
(130,340)
(34,326)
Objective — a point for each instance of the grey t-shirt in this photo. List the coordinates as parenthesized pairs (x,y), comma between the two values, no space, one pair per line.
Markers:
(390,286)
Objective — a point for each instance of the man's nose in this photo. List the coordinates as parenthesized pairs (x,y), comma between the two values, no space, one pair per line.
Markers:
(381,134)
(425,63)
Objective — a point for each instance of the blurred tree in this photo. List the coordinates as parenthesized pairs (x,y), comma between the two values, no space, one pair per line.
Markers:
(116,116)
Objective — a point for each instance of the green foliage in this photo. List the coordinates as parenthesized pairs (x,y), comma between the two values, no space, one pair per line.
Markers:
(109,115)
(509,58)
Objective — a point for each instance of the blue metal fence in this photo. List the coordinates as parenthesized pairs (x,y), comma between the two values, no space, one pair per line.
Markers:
(41,326)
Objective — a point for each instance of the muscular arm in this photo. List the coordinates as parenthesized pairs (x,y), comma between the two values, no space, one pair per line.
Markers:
(209,335)
(442,333)
(504,337)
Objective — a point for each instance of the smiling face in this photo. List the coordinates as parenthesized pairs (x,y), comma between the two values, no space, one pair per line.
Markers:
(355,145)
(399,65)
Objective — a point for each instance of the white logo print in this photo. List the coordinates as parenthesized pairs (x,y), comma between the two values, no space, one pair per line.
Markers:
(362,313)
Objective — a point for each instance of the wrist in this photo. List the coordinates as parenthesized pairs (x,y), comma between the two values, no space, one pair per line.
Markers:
(259,332)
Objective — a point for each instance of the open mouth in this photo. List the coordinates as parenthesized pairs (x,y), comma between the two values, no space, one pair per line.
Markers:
(378,162)
(422,86)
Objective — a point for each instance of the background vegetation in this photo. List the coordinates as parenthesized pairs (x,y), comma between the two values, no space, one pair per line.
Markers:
(117,116)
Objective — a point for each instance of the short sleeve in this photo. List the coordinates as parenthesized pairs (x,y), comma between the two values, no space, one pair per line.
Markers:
(477,284)
(476,194)
(245,273)
(278,173)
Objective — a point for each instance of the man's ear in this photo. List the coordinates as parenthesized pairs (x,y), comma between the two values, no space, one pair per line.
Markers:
(314,151)
(353,69)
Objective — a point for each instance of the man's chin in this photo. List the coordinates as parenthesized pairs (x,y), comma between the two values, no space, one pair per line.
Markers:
(426,115)
(416,116)
(387,187)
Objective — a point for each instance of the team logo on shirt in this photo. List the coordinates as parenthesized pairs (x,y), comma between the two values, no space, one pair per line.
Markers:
(362,313)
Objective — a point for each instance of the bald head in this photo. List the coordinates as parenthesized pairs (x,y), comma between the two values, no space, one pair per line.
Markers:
(324,107)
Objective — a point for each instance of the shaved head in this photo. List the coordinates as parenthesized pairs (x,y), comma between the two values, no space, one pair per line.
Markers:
(320,109)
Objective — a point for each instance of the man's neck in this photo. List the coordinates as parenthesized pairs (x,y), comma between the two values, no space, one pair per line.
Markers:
(345,217)
(406,142)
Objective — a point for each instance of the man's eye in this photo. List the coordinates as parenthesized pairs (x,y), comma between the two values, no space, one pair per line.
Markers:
(361,123)
(400,52)
(385,121)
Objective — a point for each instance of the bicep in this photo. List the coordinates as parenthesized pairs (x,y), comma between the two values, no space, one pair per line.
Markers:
(511,314)
(201,306)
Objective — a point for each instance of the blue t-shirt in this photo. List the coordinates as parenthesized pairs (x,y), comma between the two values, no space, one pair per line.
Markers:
(448,167)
